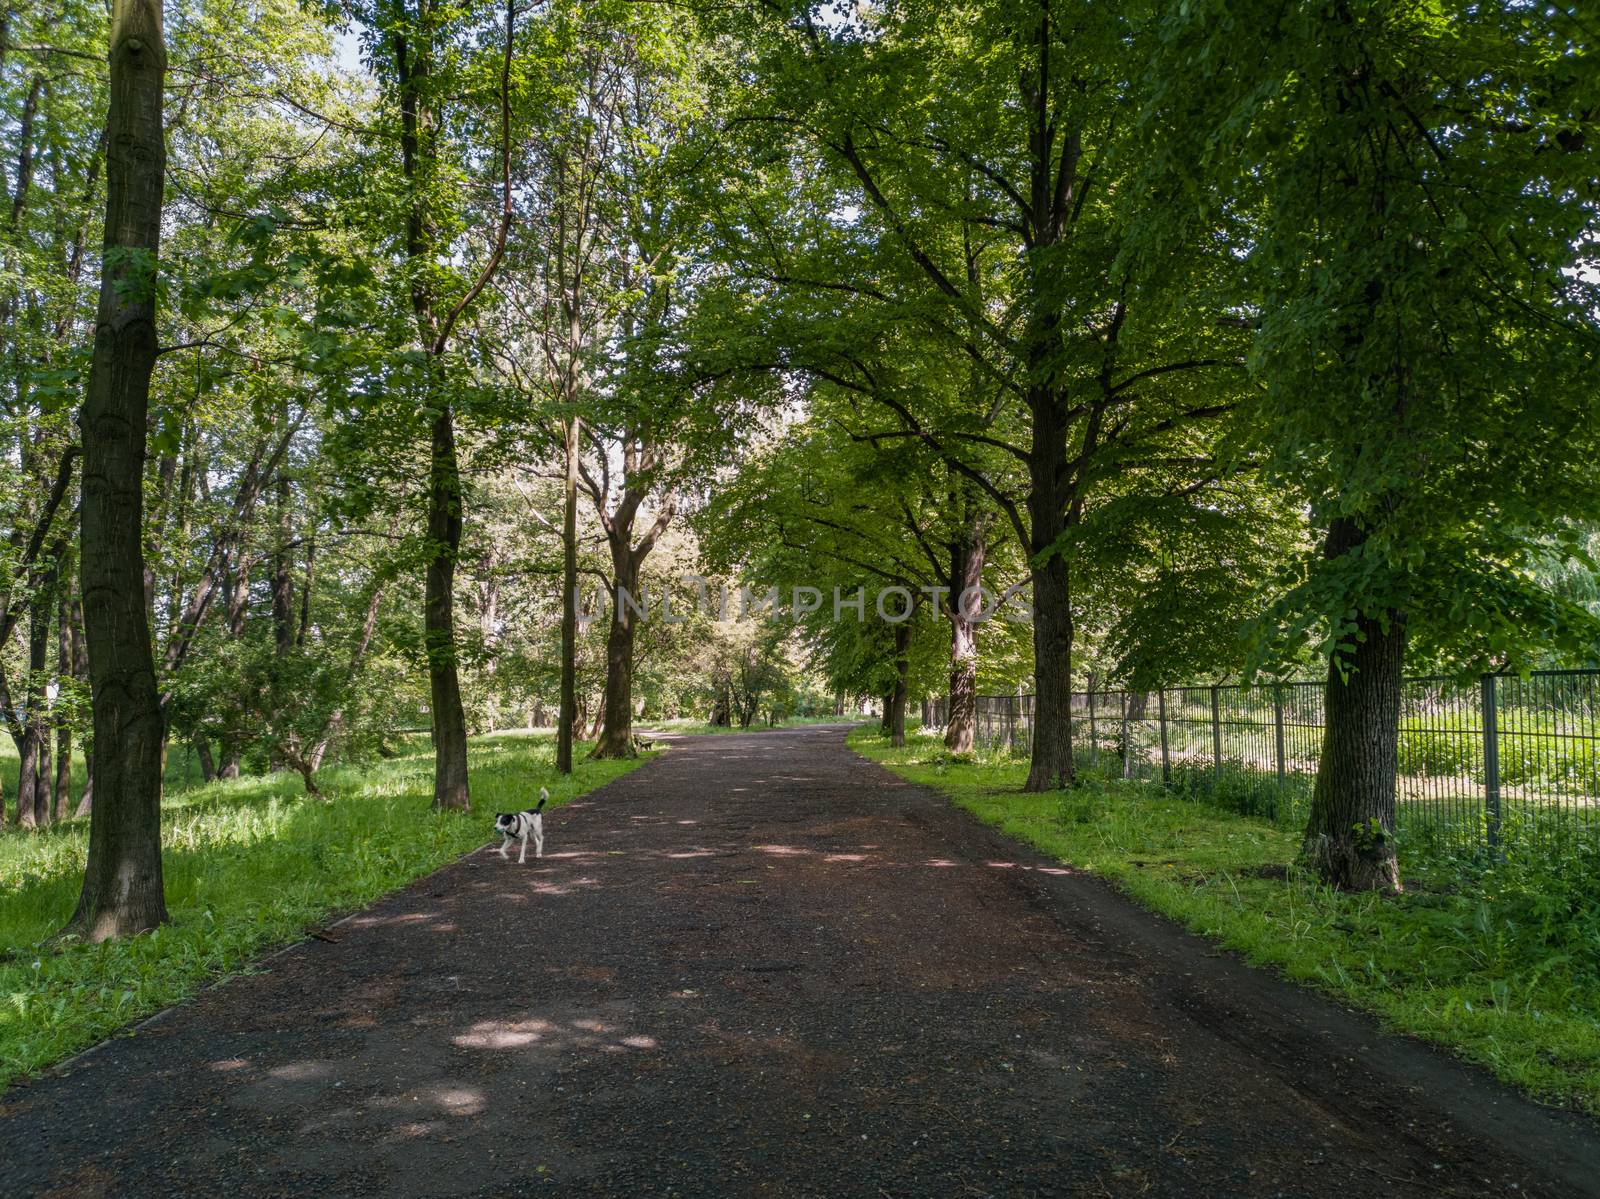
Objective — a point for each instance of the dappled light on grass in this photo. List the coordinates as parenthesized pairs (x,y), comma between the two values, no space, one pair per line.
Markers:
(249,863)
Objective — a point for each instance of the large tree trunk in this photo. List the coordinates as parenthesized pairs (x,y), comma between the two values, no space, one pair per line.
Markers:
(966,575)
(122,886)
(27,778)
(569,602)
(444,536)
(1350,835)
(616,731)
(902,684)
(1052,756)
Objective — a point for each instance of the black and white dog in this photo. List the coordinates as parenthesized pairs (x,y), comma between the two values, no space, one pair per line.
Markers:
(519,826)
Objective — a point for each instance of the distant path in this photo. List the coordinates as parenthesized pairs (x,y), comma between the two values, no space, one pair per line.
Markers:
(763,966)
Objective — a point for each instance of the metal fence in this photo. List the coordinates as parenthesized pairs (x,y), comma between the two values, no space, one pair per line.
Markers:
(1498,760)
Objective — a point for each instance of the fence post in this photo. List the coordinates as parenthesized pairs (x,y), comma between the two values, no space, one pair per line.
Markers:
(1166,760)
(1491,760)
(1092,743)
(1216,734)
(1277,729)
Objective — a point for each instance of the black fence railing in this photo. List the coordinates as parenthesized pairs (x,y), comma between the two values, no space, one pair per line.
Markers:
(1502,758)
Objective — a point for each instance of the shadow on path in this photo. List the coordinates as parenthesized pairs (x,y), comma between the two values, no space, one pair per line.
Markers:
(762,965)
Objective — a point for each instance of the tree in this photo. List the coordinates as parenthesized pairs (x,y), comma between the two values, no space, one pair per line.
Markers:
(122,889)
(1423,265)
(986,152)
(413,46)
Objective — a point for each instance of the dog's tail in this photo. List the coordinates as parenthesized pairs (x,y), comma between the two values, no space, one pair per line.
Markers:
(543,795)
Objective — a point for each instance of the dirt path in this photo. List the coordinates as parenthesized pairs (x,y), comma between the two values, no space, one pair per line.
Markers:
(764,966)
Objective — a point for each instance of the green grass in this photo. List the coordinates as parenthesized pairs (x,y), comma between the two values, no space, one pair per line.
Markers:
(182,772)
(249,864)
(1498,961)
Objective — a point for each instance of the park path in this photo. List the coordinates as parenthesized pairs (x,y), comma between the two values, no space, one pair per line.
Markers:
(764,966)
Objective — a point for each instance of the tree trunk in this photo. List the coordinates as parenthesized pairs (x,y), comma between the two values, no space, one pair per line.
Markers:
(80,673)
(569,601)
(27,778)
(616,734)
(966,575)
(63,725)
(1350,835)
(282,577)
(282,600)
(122,886)
(902,684)
(885,724)
(208,764)
(1051,763)
(444,536)
(228,768)
(34,807)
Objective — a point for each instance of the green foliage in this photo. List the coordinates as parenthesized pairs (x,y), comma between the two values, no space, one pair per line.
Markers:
(248,865)
(1421,277)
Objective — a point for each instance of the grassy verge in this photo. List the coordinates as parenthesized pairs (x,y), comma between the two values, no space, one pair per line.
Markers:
(249,864)
(1498,961)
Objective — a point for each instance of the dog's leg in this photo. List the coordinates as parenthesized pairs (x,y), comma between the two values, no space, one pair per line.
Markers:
(523,856)
(538,843)
(503,845)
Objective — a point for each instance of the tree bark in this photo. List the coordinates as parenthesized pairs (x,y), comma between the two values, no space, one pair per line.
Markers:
(208,764)
(1349,837)
(966,575)
(616,729)
(902,684)
(122,886)
(41,620)
(80,672)
(1051,763)
(63,725)
(569,601)
(444,536)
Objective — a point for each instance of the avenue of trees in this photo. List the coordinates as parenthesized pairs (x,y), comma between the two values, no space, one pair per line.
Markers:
(350,350)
